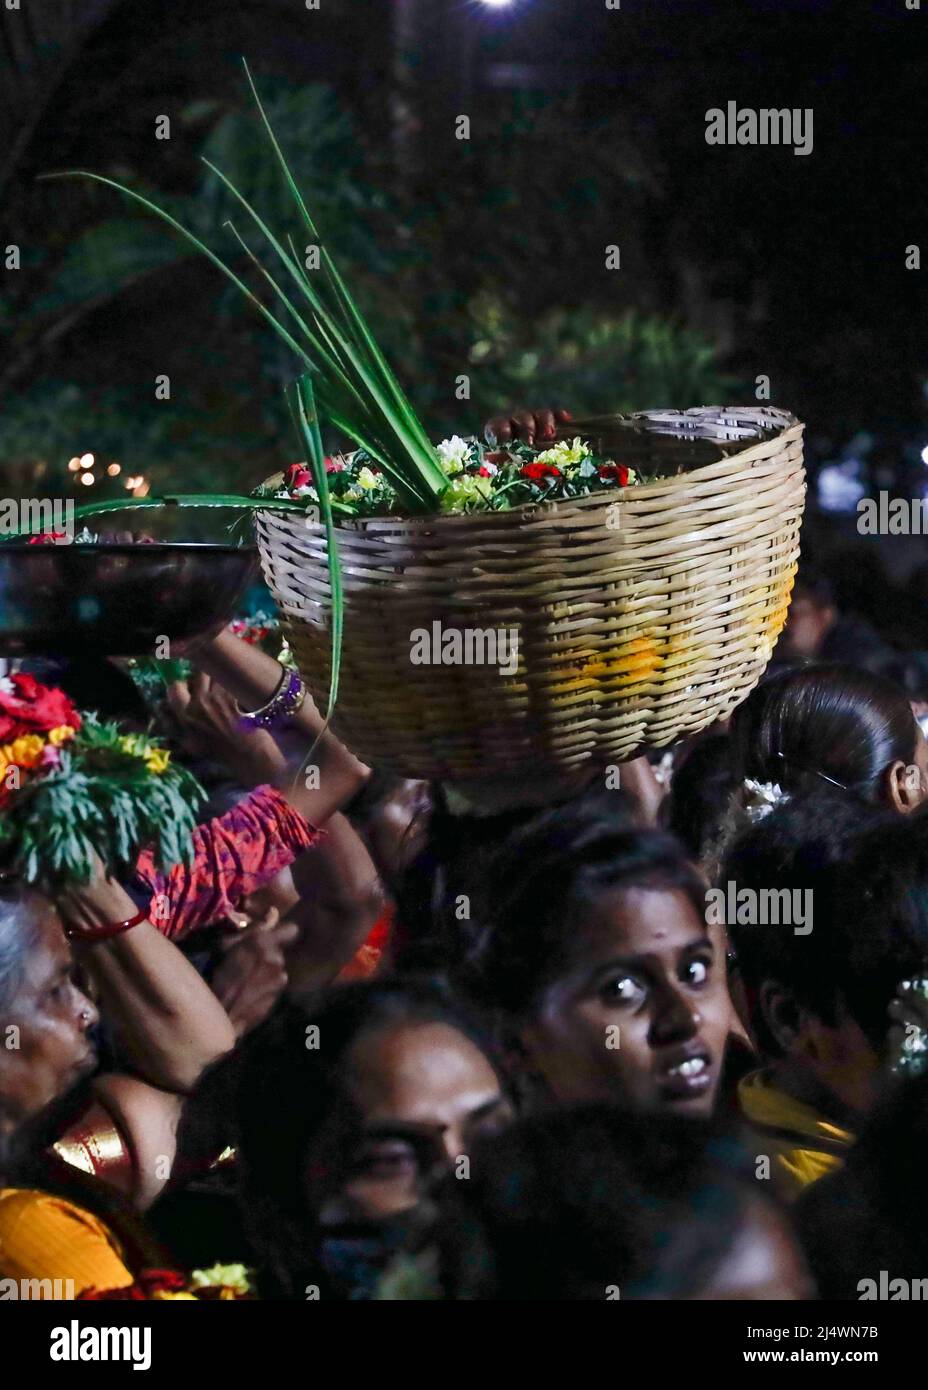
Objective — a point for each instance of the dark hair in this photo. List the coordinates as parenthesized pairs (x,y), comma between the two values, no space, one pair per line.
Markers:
(540,882)
(94,683)
(867,871)
(454,864)
(282,1091)
(873,1215)
(575,1201)
(699,794)
(908,670)
(821,725)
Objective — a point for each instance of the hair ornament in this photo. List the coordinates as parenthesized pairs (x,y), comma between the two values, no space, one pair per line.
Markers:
(760,798)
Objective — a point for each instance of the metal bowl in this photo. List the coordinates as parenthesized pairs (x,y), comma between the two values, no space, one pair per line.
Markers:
(117,600)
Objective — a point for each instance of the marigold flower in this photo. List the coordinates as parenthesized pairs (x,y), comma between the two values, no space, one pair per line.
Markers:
(25,751)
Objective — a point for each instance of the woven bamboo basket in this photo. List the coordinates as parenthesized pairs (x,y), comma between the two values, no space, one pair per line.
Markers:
(641,615)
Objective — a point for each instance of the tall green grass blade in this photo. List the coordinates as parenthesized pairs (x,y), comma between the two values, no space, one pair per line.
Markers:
(194,241)
(397,421)
(432,473)
(308,422)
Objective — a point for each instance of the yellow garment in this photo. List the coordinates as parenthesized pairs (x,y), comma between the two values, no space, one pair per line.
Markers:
(803,1147)
(46,1237)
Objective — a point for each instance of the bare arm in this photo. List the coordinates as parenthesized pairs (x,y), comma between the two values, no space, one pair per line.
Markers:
(253,677)
(341,899)
(171,1024)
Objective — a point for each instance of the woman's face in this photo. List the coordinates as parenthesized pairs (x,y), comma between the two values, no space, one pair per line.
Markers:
(641,1013)
(44,1047)
(419,1095)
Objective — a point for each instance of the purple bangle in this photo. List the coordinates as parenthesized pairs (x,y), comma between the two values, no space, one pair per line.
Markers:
(285,701)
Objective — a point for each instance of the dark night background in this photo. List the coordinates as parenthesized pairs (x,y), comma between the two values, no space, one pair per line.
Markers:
(485,257)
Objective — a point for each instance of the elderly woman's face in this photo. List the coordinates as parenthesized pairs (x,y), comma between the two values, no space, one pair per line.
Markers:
(44,1048)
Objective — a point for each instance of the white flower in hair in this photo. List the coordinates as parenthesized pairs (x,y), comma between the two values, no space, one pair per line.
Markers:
(760,798)
(663,771)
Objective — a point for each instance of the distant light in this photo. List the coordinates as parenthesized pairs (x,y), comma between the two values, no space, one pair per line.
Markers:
(143,489)
(114,470)
(86,460)
(496,2)
(88,479)
(925,454)
(73,465)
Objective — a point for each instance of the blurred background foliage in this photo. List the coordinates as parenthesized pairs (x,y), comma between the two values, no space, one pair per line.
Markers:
(490,264)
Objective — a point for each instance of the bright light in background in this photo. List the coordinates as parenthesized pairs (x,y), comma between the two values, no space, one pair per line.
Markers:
(88,479)
(74,465)
(113,470)
(925,454)
(86,460)
(498,3)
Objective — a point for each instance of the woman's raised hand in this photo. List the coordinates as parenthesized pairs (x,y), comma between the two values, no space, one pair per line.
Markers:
(527,425)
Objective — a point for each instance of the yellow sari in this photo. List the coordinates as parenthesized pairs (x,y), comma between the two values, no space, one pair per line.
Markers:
(801,1145)
(53,1248)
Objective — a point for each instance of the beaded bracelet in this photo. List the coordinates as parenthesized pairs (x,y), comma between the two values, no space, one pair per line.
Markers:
(286,700)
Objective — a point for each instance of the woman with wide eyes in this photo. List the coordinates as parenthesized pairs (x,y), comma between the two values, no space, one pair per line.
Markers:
(597,958)
(345,1114)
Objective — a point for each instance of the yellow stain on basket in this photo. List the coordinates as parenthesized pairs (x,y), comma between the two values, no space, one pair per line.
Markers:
(630,663)
(756,612)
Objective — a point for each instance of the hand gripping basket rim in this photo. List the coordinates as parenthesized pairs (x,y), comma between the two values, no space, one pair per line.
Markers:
(639,615)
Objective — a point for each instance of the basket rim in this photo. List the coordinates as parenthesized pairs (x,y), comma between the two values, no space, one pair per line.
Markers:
(784,429)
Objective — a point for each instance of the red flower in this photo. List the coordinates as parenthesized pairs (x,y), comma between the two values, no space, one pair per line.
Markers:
(49,538)
(334,466)
(33,709)
(149,1282)
(538,472)
(615,471)
(297,476)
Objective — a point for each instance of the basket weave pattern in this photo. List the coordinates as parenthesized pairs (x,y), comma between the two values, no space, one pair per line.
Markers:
(642,615)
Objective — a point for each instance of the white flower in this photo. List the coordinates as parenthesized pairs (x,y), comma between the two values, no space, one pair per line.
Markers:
(663,771)
(761,798)
(453,453)
(307,491)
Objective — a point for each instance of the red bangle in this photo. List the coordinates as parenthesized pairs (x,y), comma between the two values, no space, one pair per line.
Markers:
(108,929)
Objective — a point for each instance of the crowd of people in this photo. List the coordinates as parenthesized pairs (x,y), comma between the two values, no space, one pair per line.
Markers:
(660,1040)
